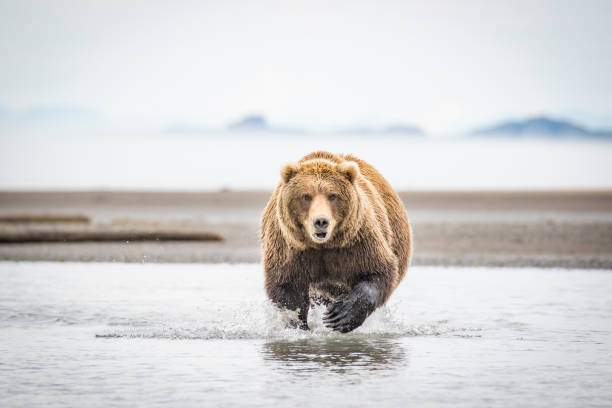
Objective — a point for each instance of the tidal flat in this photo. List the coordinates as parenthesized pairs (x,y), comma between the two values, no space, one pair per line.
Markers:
(570,229)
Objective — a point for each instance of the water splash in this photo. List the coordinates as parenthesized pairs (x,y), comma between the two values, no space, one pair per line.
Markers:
(262,320)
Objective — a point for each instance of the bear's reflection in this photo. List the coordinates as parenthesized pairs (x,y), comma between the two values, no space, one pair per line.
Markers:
(367,354)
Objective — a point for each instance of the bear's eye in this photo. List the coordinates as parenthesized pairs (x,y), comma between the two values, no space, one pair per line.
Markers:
(307,197)
(332,197)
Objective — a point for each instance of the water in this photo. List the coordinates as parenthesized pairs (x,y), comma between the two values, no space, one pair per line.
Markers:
(87,334)
(253,161)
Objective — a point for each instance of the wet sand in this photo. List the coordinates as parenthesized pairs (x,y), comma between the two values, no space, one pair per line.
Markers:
(571,229)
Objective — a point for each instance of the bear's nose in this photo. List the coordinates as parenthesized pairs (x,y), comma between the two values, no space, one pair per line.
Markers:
(321,224)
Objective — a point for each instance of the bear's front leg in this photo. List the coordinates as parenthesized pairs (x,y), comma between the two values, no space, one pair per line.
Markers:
(293,298)
(350,310)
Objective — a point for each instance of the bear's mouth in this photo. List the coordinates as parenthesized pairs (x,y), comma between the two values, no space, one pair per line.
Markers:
(320,236)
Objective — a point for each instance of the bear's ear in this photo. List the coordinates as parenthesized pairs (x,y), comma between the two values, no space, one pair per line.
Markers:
(350,170)
(288,171)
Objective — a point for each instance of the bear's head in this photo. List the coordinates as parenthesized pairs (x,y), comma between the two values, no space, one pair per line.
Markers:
(319,203)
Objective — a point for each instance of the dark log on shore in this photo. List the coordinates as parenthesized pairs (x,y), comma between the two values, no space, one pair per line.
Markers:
(17,237)
(43,218)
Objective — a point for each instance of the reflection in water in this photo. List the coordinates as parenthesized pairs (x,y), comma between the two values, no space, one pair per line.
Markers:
(337,354)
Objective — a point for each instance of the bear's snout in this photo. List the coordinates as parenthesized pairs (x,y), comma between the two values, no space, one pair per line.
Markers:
(321,224)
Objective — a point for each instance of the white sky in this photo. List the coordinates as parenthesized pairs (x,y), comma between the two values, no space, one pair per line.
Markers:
(444,65)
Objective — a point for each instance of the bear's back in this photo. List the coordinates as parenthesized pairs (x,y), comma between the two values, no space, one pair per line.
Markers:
(402,237)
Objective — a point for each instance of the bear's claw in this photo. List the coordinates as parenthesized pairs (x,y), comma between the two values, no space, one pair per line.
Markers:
(350,310)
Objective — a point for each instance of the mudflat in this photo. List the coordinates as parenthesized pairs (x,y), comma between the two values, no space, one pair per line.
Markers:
(571,229)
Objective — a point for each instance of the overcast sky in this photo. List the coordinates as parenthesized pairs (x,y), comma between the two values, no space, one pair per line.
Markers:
(444,65)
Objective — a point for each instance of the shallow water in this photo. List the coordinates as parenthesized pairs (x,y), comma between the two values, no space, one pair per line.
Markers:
(74,334)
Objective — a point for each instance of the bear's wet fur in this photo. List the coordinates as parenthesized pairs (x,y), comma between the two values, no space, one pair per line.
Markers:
(334,229)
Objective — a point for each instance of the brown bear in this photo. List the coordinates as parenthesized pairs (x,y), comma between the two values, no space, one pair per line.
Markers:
(334,230)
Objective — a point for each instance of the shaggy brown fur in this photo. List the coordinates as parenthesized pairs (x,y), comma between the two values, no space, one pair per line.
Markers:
(367,250)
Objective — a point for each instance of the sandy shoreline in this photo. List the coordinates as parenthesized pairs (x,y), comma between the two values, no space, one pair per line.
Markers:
(514,228)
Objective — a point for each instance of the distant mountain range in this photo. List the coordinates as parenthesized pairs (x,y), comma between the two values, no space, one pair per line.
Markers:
(257,123)
(396,129)
(45,114)
(537,126)
(250,123)
(541,126)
